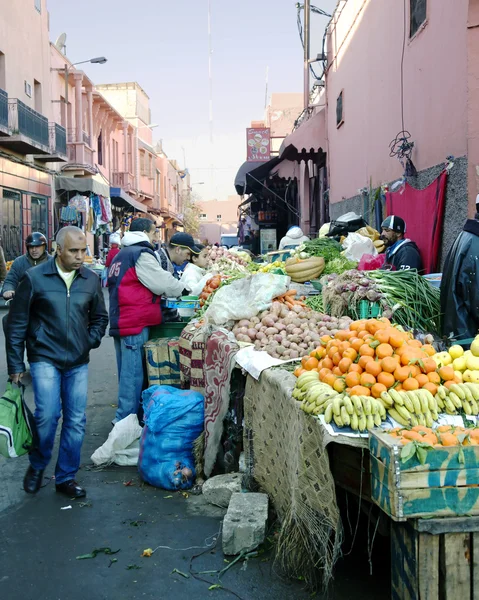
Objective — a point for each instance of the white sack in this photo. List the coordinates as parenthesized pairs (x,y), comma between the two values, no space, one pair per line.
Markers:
(120,445)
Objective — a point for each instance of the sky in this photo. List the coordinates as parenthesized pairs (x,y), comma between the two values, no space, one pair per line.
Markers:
(163,45)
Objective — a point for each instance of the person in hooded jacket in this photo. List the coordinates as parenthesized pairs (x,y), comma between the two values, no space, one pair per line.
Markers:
(294,237)
(401,253)
(460,283)
(136,282)
(36,254)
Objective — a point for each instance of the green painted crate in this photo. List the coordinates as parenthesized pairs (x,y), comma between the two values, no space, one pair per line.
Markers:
(369,310)
(442,487)
(169,330)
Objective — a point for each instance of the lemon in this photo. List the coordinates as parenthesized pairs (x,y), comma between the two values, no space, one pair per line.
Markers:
(474,376)
(456,351)
(466,376)
(459,364)
(472,363)
(442,359)
(458,374)
(475,346)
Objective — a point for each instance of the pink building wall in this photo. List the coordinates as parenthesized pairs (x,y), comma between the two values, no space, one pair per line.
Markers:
(364,53)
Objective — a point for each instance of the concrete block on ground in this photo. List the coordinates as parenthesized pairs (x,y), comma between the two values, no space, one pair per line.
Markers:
(218,489)
(244,526)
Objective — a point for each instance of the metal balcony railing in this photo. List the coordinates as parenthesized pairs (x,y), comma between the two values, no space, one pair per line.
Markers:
(58,139)
(28,122)
(3,108)
(123,180)
(72,137)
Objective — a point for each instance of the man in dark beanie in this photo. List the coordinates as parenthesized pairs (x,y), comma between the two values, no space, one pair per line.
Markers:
(401,253)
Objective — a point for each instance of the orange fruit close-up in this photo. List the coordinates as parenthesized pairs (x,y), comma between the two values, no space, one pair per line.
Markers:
(298,371)
(337,371)
(377,389)
(353,378)
(422,379)
(324,339)
(336,358)
(414,343)
(367,379)
(389,364)
(431,387)
(344,364)
(327,363)
(330,379)
(402,373)
(429,349)
(384,350)
(343,346)
(339,385)
(323,372)
(428,365)
(359,390)
(411,383)
(318,352)
(373,368)
(363,361)
(386,379)
(366,350)
(382,336)
(434,377)
(311,363)
(448,439)
(396,338)
(356,343)
(351,354)
(446,373)
(356,367)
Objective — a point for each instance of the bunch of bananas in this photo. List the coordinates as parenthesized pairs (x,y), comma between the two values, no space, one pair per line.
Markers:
(277,264)
(358,412)
(412,408)
(460,397)
(379,245)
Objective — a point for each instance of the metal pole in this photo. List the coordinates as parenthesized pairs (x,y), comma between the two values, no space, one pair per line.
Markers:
(66,98)
(307,14)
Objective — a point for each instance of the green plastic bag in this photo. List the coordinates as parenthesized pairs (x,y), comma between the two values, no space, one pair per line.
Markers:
(17,426)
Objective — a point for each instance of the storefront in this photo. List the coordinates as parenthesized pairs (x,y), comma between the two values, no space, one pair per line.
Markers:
(25,205)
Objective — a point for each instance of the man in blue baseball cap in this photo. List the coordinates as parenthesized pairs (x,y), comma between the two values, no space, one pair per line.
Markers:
(401,253)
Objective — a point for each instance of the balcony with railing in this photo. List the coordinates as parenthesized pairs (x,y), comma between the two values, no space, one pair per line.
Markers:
(29,129)
(123,180)
(4,129)
(80,152)
(57,143)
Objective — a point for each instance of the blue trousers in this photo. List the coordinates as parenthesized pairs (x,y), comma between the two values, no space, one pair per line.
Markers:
(131,363)
(58,393)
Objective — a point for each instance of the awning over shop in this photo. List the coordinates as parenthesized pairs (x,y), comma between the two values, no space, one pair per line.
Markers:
(249,172)
(240,179)
(82,184)
(307,140)
(120,198)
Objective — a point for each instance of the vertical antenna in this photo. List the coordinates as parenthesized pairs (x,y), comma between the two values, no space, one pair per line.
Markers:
(210,76)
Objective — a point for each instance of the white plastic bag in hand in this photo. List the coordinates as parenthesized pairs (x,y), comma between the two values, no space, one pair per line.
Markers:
(355,245)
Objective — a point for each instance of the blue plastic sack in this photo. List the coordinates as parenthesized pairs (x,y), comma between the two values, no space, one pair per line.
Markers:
(174,419)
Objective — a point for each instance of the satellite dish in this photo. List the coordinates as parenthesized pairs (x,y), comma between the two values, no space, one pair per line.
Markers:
(60,43)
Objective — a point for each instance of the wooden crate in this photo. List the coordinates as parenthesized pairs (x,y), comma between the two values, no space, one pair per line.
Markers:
(163,361)
(435,559)
(442,487)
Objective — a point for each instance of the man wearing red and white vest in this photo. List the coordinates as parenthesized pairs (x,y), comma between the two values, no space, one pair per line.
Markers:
(136,282)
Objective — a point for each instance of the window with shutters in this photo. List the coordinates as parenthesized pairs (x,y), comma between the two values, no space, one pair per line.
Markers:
(417,15)
(142,164)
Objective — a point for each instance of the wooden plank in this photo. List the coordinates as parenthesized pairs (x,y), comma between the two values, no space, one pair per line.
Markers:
(404,554)
(455,566)
(428,566)
(449,525)
(475,566)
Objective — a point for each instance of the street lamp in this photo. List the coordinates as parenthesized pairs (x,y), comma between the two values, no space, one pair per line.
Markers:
(99,60)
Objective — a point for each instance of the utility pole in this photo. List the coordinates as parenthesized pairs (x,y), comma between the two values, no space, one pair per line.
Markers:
(307,28)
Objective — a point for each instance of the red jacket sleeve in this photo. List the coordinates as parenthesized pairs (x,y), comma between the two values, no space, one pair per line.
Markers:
(111,255)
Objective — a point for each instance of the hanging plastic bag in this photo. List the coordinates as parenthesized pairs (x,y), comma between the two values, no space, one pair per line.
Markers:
(355,245)
(245,298)
(17,426)
(174,419)
(122,446)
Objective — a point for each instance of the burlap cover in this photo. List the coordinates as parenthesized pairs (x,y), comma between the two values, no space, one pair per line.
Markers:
(284,448)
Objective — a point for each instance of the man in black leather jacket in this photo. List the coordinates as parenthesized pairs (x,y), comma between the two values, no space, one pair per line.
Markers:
(460,284)
(60,314)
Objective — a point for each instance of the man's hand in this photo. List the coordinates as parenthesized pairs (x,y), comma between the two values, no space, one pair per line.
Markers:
(16,377)
(8,295)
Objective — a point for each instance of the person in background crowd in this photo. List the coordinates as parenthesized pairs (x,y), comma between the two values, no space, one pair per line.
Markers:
(36,254)
(60,314)
(136,281)
(460,283)
(255,242)
(401,253)
(177,253)
(293,238)
(115,241)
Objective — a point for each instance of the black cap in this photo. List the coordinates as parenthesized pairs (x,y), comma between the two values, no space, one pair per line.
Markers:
(36,239)
(185,240)
(394,224)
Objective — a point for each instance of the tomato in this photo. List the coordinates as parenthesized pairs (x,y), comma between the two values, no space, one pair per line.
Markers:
(204,296)
(213,284)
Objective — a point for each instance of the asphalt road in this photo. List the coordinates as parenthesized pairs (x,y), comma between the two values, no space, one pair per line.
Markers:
(40,542)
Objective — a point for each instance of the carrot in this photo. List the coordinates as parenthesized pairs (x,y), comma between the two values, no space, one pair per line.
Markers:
(291,293)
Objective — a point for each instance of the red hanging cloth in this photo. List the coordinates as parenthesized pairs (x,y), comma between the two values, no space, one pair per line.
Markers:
(423,212)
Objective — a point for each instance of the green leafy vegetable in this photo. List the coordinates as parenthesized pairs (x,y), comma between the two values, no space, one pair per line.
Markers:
(328,248)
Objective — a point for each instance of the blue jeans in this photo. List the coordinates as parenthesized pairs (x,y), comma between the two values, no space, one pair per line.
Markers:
(131,363)
(58,392)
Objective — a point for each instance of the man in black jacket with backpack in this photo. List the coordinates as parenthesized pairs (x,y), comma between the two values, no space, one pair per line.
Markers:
(59,313)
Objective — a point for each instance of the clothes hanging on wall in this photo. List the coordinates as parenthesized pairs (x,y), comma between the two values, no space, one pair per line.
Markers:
(423,213)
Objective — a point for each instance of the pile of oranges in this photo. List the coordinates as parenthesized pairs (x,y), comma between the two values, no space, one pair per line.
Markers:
(373,356)
(444,435)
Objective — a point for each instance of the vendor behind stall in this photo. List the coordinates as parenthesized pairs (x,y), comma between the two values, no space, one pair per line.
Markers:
(195,275)
(401,253)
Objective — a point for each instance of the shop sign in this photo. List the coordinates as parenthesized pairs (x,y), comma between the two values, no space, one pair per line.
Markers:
(258,144)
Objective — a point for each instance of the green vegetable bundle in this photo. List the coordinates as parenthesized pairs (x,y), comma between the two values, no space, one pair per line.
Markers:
(328,248)
(339,265)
